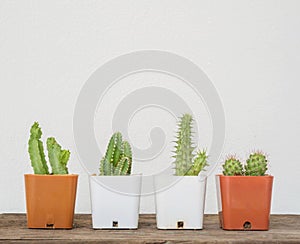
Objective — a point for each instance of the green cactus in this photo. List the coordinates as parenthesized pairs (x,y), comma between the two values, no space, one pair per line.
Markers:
(122,167)
(58,158)
(118,157)
(185,161)
(184,149)
(36,150)
(232,166)
(128,154)
(200,162)
(256,164)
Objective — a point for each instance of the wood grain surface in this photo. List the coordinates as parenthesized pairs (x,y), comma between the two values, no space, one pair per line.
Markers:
(13,229)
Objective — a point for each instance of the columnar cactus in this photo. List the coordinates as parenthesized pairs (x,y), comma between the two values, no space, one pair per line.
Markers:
(184,149)
(118,157)
(256,164)
(185,161)
(36,150)
(127,154)
(58,158)
(232,166)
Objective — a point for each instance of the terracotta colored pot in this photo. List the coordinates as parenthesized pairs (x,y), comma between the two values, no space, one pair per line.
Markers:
(244,202)
(50,200)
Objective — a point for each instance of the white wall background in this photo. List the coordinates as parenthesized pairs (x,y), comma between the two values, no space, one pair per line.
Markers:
(249,49)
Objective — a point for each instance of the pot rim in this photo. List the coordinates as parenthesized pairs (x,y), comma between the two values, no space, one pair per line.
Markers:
(50,175)
(96,179)
(245,176)
(132,175)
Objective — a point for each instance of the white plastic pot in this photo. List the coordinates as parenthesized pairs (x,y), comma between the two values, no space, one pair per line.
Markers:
(115,201)
(179,201)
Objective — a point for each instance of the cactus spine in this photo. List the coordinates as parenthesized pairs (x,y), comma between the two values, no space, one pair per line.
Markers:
(256,164)
(185,161)
(36,150)
(58,158)
(118,157)
(232,166)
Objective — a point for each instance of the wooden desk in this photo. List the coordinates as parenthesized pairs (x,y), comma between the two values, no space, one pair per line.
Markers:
(284,228)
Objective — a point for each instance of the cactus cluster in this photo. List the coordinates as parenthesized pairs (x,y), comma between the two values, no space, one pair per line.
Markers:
(186,163)
(118,157)
(58,158)
(256,165)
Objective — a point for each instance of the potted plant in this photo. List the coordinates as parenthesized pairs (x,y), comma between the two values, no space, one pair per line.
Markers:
(180,198)
(115,193)
(50,198)
(244,193)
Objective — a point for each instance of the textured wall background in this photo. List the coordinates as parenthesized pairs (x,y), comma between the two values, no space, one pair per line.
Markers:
(249,49)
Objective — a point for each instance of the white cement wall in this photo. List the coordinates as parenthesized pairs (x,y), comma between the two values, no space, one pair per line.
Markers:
(249,50)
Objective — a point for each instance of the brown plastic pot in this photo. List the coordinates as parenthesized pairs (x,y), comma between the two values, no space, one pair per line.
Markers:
(50,200)
(245,202)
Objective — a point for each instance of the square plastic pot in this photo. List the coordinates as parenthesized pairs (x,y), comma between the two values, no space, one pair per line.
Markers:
(115,201)
(50,200)
(179,201)
(244,202)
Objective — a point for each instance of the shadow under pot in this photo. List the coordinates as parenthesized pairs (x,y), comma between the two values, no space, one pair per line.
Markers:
(50,200)
(244,202)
